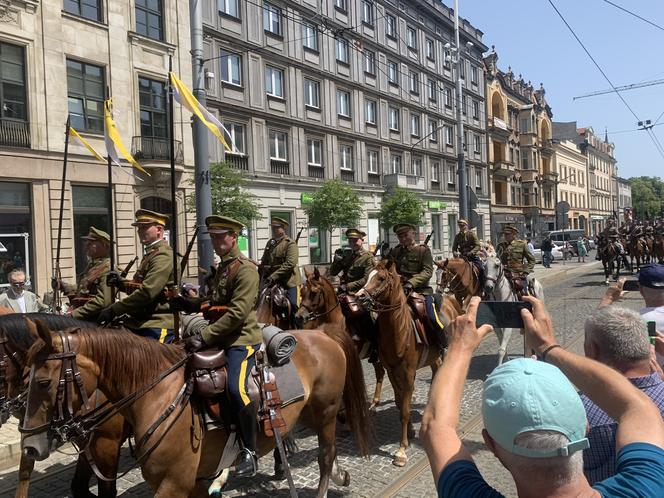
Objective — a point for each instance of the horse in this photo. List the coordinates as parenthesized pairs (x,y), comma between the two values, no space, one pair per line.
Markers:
(398,348)
(658,248)
(16,338)
(461,277)
(498,288)
(611,259)
(637,250)
(320,309)
(177,455)
(265,309)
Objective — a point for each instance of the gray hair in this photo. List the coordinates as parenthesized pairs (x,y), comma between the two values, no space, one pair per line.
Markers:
(620,334)
(557,471)
(14,273)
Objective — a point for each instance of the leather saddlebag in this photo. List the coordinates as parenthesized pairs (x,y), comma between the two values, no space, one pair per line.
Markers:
(208,369)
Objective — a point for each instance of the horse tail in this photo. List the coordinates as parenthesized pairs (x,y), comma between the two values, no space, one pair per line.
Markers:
(355,392)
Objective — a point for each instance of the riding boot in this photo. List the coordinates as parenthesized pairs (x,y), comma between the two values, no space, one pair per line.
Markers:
(248,428)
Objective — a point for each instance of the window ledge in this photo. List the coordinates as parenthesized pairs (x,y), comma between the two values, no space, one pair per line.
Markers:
(431,59)
(137,38)
(276,98)
(342,63)
(272,34)
(391,37)
(373,125)
(312,108)
(232,86)
(230,17)
(369,73)
(392,83)
(341,10)
(368,24)
(344,117)
(84,20)
(311,50)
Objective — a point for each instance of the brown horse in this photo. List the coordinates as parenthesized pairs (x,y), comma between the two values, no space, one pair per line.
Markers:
(658,248)
(179,454)
(265,311)
(320,309)
(460,277)
(399,350)
(17,335)
(636,247)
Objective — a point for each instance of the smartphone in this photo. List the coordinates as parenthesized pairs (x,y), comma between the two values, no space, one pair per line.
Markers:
(631,285)
(652,329)
(502,314)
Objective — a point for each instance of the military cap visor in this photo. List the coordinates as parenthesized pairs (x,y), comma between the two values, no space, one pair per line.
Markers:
(96,234)
(147,217)
(354,233)
(222,224)
(279,222)
(510,230)
(462,222)
(402,227)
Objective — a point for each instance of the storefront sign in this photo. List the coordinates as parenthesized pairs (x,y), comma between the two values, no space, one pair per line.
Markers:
(436,205)
(305,198)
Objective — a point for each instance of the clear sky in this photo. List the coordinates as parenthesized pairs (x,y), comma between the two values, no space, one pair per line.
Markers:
(530,37)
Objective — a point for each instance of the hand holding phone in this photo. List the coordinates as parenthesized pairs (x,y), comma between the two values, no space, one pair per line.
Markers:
(502,314)
(631,285)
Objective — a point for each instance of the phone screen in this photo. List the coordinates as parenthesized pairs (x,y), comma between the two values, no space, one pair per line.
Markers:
(652,329)
(501,314)
(631,285)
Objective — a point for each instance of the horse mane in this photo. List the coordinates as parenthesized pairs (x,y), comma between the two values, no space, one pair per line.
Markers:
(16,328)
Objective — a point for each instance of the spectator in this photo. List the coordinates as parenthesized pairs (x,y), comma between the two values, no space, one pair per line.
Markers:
(566,250)
(19,299)
(547,247)
(616,337)
(531,247)
(651,286)
(581,250)
(535,422)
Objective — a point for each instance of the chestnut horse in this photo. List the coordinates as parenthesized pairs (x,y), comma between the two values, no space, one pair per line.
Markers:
(16,337)
(658,248)
(460,277)
(264,310)
(180,455)
(320,309)
(636,247)
(399,351)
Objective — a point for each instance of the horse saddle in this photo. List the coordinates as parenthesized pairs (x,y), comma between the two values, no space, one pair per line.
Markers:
(519,283)
(418,307)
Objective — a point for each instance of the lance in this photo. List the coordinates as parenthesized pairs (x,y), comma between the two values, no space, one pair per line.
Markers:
(174,209)
(56,270)
(109,194)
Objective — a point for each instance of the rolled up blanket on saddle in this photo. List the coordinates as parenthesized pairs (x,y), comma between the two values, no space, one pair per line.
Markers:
(279,345)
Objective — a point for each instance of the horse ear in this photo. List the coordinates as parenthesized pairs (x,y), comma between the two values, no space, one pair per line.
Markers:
(389,263)
(44,333)
(316,273)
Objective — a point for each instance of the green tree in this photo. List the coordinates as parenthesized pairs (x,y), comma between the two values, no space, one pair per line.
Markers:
(401,206)
(229,195)
(647,196)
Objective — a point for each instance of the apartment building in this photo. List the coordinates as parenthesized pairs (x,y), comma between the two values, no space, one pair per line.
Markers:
(572,183)
(358,90)
(623,190)
(59,59)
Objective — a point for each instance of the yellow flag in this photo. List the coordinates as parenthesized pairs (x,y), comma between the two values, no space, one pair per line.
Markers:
(86,144)
(112,139)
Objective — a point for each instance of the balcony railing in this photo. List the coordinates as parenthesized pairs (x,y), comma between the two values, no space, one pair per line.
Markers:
(279,167)
(238,161)
(316,171)
(347,175)
(374,179)
(14,133)
(406,181)
(155,149)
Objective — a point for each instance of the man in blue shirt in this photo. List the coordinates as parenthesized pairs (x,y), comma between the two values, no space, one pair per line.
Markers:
(535,423)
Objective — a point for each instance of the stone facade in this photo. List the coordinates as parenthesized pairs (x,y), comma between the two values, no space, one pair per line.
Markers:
(572,183)
(623,191)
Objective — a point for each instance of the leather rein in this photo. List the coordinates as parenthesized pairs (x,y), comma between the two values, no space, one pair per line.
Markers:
(315,316)
(9,405)
(370,297)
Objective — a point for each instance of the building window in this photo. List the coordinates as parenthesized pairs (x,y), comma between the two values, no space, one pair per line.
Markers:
(149,18)
(447,59)
(395,164)
(464,104)
(230,8)
(152,98)
(343,103)
(368,13)
(416,166)
(370,62)
(391,29)
(449,173)
(90,206)
(393,118)
(372,162)
(12,82)
(234,134)
(341,5)
(477,147)
(449,135)
(85,94)
(411,38)
(432,90)
(415,125)
(231,68)
(272,19)
(310,36)
(473,75)
(342,51)
(476,109)
(431,53)
(437,242)
(311,93)
(524,162)
(462,69)
(89,9)
(346,155)
(370,112)
(392,73)
(433,130)
(435,172)
(448,97)
(414,83)
(278,145)
(452,229)
(478,180)
(274,81)
(315,152)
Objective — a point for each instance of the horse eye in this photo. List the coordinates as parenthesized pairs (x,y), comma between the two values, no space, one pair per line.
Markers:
(44,384)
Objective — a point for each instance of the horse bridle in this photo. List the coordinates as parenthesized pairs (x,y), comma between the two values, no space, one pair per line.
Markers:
(369,298)
(448,281)
(497,277)
(9,405)
(315,316)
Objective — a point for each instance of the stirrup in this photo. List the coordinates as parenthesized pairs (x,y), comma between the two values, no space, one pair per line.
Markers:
(248,465)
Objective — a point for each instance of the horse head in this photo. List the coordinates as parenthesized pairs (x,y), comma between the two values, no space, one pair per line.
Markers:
(494,271)
(315,294)
(382,280)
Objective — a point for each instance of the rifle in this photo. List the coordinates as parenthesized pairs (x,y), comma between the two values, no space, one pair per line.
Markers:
(190,246)
(299,233)
(378,246)
(426,241)
(125,272)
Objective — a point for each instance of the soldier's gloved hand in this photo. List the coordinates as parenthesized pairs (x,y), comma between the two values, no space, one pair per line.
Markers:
(113,279)
(342,289)
(194,342)
(106,316)
(339,254)
(407,288)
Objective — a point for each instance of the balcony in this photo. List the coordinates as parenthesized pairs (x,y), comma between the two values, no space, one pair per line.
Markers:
(546,146)
(238,161)
(549,177)
(278,167)
(347,175)
(316,171)
(527,139)
(411,182)
(14,133)
(374,179)
(148,149)
(503,168)
(498,126)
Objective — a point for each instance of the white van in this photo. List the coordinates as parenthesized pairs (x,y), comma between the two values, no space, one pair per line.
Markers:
(560,236)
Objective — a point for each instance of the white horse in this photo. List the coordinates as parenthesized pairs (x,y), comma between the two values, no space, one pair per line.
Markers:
(498,288)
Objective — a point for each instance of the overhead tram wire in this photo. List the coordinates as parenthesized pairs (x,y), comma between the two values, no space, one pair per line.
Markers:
(634,14)
(661,152)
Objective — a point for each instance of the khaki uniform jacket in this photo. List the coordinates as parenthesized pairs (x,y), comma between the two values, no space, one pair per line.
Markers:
(415,264)
(466,243)
(92,283)
(238,326)
(355,269)
(146,306)
(513,253)
(279,262)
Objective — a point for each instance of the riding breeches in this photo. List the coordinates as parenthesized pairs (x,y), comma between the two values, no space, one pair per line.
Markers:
(165,336)
(294,298)
(432,313)
(240,361)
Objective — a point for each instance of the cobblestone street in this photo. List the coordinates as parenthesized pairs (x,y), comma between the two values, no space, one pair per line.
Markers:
(570,294)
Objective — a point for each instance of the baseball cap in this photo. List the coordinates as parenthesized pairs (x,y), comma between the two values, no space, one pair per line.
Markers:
(652,276)
(525,395)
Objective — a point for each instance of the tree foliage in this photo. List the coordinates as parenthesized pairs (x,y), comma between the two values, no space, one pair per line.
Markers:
(647,196)
(229,197)
(401,206)
(334,205)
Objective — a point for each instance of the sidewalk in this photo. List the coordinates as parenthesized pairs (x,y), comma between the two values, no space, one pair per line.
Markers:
(10,444)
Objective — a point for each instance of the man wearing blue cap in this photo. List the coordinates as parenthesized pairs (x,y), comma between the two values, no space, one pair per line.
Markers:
(651,286)
(534,420)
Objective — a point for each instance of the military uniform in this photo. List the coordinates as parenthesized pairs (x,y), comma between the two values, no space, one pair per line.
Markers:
(513,253)
(279,264)
(355,266)
(466,243)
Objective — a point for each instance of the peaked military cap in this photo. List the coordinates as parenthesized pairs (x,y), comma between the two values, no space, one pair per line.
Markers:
(354,233)
(222,224)
(96,234)
(402,227)
(147,217)
(510,229)
(279,222)
(462,222)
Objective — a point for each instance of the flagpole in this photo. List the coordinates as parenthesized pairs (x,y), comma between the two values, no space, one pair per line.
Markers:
(56,270)
(174,209)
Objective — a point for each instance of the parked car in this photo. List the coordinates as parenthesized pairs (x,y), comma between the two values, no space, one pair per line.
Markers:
(556,252)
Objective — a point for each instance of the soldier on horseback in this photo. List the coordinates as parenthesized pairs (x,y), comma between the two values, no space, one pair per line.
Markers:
(233,328)
(467,245)
(415,265)
(512,252)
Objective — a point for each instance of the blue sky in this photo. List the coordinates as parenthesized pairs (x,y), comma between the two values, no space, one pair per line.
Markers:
(530,37)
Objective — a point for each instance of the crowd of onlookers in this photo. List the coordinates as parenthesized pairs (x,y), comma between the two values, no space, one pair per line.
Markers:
(562,424)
